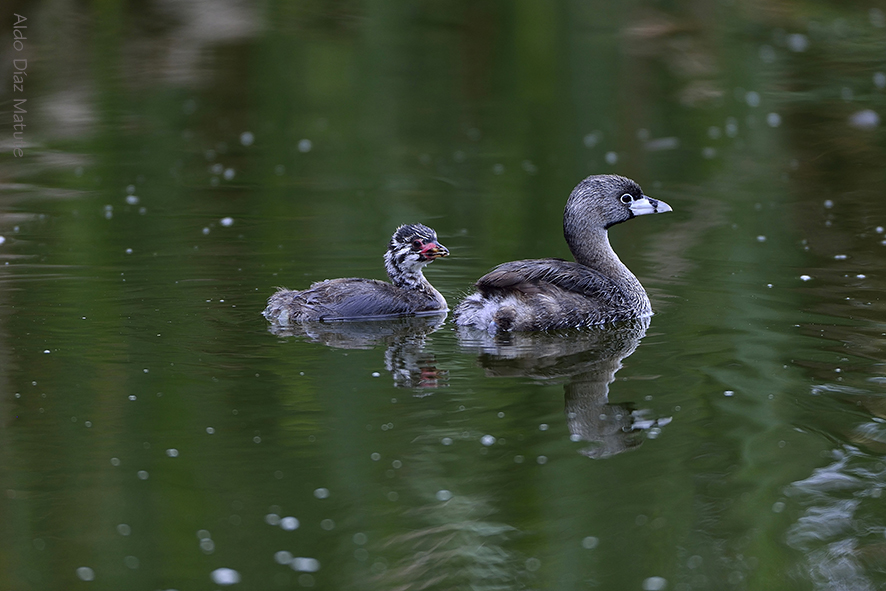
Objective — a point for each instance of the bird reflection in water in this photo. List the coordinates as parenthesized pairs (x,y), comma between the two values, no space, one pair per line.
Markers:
(404,339)
(588,360)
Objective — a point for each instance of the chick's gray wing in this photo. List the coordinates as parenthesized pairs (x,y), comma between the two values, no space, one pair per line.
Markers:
(353,298)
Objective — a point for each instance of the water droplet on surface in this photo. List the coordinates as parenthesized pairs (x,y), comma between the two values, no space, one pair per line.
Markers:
(533,564)
(172,452)
(752,98)
(866,119)
(321,493)
(611,158)
(123,529)
(84,573)
(227,222)
(283,557)
(590,542)
(247,138)
(487,440)
(797,42)
(773,119)
(805,277)
(229,174)
(655,584)
(305,565)
(327,524)
(132,200)
(289,523)
(305,145)
(591,139)
(225,576)
(443,495)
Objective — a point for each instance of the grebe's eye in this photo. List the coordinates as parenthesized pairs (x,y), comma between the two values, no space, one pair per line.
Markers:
(627,198)
(416,244)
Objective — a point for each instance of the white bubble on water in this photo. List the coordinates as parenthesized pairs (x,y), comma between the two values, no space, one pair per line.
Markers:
(229,174)
(865,119)
(487,440)
(805,277)
(247,138)
(752,98)
(289,523)
(322,493)
(282,557)
(132,200)
(225,576)
(655,584)
(773,119)
(590,542)
(443,495)
(226,222)
(797,42)
(84,573)
(172,452)
(305,565)
(611,158)
(305,145)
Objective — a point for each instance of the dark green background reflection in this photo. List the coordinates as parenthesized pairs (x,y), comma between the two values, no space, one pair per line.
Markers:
(182,159)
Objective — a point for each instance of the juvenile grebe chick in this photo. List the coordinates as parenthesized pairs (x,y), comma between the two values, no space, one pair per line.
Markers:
(409,294)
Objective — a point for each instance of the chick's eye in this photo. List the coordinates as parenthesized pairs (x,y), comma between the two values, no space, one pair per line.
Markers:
(416,244)
(627,198)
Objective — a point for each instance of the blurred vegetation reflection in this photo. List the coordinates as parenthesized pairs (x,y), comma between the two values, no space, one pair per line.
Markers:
(184,158)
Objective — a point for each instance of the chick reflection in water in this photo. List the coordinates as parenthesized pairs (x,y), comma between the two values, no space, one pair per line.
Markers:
(588,359)
(404,340)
